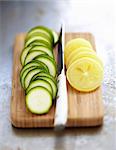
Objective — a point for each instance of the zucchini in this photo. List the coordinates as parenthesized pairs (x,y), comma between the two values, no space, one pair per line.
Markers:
(38,75)
(37,38)
(40,82)
(22,76)
(52,83)
(31,55)
(55,35)
(50,63)
(43,74)
(30,74)
(40,43)
(39,100)
(24,54)
(41,29)
(34,63)
(44,49)
(39,34)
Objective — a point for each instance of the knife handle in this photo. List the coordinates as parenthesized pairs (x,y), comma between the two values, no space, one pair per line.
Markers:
(61,112)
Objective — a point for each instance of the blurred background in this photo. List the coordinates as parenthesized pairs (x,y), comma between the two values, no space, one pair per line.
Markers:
(95,16)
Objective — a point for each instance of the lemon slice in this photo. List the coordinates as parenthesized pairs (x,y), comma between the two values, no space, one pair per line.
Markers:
(76,52)
(85,74)
(74,44)
(84,54)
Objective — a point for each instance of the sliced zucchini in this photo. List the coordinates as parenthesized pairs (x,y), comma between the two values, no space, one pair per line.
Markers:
(52,83)
(34,63)
(38,75)
(22,76)
(55,35)
(50,62)
(40,43)
(41,29)
(40,82)
(40,35)
(39,100)
(44,49)
(45,75)
(37,38)
(24,54)
(31,55)
(30,74)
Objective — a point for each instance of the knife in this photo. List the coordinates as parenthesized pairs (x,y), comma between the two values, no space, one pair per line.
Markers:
(61,111)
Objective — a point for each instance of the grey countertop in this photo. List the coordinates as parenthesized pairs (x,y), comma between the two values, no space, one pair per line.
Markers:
(91,16)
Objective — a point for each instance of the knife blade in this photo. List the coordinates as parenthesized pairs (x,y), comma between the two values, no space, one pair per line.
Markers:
(61,111)
(60,53)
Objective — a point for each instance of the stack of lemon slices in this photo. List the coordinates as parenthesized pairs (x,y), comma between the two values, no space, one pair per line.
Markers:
(84,67)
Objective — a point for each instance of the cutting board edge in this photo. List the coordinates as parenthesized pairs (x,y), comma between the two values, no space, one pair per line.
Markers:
(18,123)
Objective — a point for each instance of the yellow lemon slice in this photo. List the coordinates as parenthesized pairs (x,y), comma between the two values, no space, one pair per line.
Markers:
(84,54)
(85,74)
(74,44)
(76,52)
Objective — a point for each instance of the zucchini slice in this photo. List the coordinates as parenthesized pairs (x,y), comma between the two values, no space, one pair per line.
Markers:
(34,63)
(40,82)
(41,29)
(50,62)
(39,34)
(43,74)
(52,83)
(29,76)
(31,55)
(24,54)
(37,38)
(22,76)
(55,35)
(39,100)
(44,49)
(40,43)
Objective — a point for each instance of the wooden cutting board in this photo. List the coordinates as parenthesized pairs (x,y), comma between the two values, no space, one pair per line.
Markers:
(85,109)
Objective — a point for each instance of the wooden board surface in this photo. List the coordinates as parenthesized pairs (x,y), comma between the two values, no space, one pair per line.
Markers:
(85,109)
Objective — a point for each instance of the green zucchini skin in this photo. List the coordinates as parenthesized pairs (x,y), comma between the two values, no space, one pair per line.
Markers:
(40,82)
(32,54)
(43,74)
(22,77)
(55,35)
(50,62)
(24,53)
(44,49)
(40,43)
(39,39)
(30,75)
(48,79)
(26,72)
(34,63)
(41,29)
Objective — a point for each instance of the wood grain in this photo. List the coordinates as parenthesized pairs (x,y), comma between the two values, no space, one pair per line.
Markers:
(85,109)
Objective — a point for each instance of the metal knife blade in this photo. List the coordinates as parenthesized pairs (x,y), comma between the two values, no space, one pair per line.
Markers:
(60,53)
